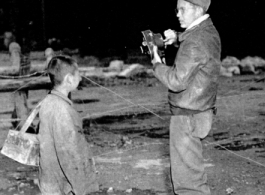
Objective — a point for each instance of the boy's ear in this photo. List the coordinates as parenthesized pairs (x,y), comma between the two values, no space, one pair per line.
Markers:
(67,79)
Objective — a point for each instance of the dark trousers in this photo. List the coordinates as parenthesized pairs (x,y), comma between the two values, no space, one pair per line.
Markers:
(187,164)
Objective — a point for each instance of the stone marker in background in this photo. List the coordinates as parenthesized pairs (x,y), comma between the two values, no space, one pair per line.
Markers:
(15,51)
(252,65)
(8,38)
(131,70)
(116,65)
(230,66)
(49,53)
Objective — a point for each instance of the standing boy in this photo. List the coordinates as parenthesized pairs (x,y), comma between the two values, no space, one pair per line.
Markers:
(65,158)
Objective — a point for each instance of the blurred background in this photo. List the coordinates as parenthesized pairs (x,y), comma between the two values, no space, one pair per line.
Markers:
(108,27)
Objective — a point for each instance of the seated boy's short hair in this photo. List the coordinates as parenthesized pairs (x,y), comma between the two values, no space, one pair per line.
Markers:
(59,67)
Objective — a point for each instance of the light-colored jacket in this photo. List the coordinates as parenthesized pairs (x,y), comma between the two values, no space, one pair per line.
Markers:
(65,156)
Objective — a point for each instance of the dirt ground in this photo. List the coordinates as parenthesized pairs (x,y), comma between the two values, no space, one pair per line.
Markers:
(131,144)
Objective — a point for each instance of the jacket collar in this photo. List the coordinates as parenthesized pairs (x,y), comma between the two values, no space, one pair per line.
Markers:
(198,21)
(203,24)
(59,94)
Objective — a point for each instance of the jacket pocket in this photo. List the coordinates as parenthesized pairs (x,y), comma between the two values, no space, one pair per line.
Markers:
(202,124)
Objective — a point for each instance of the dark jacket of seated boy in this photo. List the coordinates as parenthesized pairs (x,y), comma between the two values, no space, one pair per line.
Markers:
(65,157)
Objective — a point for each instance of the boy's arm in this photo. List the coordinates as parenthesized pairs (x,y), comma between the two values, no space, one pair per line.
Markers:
(177,77)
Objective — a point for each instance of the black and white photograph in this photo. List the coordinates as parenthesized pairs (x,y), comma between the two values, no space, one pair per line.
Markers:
(108,97)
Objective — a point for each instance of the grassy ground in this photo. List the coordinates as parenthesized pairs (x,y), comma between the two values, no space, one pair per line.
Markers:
(131,145)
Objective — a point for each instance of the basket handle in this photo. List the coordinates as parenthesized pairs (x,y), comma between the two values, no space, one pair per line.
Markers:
(30,119)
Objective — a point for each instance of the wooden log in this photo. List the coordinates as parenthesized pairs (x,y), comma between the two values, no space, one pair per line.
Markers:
(10,85)
(12,68)
(39,66)
(35,66)
(9,70)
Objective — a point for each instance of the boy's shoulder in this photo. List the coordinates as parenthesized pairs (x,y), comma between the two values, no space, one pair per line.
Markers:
(53,103)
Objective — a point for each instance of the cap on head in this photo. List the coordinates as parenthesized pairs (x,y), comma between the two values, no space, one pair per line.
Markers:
(205,4)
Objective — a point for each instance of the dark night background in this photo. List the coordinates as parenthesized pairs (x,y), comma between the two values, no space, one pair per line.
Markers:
(106,27)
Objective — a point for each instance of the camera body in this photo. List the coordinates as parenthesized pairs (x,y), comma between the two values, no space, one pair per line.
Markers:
(149,40)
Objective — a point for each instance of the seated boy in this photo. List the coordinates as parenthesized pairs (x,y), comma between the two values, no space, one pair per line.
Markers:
(65,157)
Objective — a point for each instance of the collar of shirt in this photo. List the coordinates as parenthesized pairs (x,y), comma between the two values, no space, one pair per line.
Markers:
(198,21)
(59,94)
